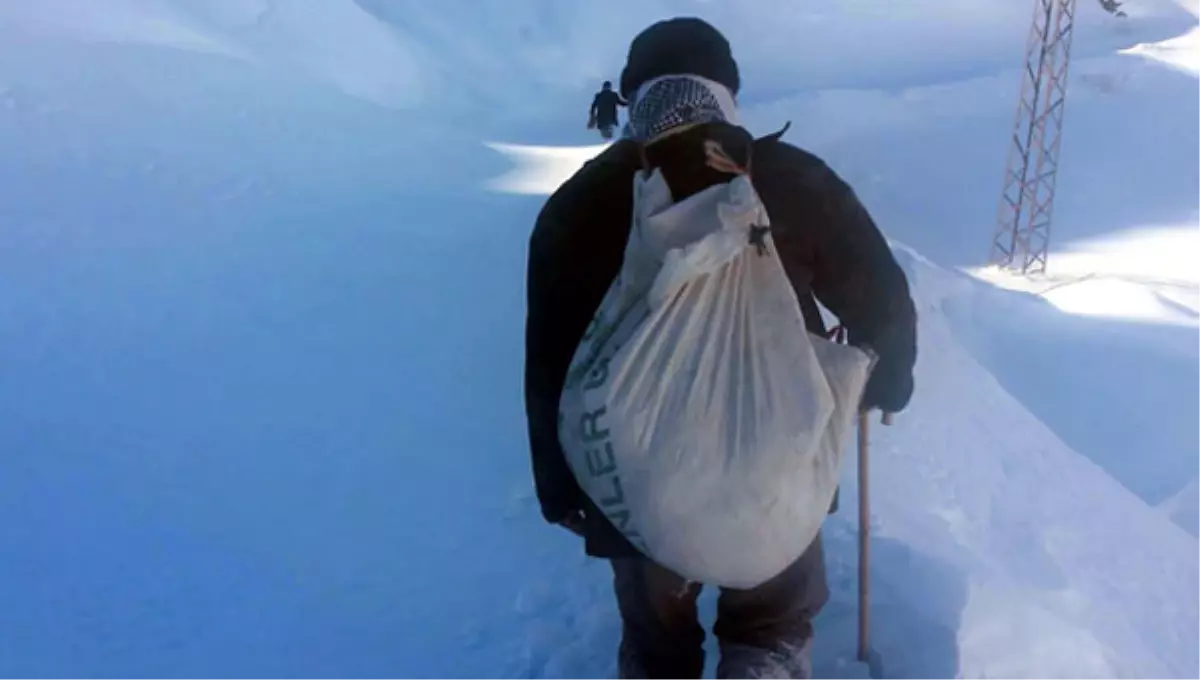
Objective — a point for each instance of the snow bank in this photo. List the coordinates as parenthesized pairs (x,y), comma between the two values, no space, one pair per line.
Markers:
(333,41)
(1142,275)
(1182,52)
(1113,324)
(114,128)
(1181,507)
(539,170)
(536,59)
(1043,561)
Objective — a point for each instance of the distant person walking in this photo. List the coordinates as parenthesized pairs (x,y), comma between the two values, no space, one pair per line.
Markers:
(603,114)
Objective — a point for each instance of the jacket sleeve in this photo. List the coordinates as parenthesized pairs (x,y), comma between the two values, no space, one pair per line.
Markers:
(547,358)
(857,278)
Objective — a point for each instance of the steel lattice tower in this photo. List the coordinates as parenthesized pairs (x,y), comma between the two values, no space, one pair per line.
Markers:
(1022,236)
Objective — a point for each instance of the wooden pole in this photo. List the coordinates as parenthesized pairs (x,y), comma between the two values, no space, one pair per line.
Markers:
(864,538)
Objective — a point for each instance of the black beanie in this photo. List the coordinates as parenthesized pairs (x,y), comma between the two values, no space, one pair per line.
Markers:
(679,46)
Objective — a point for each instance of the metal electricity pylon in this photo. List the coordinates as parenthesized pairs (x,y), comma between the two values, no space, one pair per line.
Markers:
(1022,237)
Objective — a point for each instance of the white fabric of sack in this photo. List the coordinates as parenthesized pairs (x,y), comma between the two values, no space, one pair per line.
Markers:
(698,413)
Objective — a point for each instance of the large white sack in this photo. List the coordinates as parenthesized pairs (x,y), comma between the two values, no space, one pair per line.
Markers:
(699,414)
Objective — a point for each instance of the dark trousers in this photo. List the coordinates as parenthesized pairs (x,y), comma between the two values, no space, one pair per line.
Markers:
(764,632)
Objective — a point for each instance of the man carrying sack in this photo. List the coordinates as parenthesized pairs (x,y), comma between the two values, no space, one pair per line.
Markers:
(686,413)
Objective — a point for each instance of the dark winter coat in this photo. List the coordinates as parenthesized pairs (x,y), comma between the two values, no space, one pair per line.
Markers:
(830,248)
(604,107)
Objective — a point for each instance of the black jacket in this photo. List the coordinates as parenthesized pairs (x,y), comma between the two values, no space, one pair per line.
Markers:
(604,107)
(830,247)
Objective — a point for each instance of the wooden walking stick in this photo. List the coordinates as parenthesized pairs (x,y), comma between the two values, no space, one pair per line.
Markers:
(865,653)
(864,538)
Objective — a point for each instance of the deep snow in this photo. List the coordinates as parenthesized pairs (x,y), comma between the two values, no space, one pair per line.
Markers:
(262,313)
(1181,508)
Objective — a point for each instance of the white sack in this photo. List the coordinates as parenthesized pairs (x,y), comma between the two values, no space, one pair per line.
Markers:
(699,414)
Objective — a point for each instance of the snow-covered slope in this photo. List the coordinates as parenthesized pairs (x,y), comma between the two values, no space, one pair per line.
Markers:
(533,60)
(1042,546)
(1182,507)
(262,310)
(334,42)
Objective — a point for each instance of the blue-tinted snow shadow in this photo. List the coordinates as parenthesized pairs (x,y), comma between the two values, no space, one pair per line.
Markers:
(94,584)
(1123,393)
(298,428)
(916,605)
(157,133)
(563,622)
(261,388)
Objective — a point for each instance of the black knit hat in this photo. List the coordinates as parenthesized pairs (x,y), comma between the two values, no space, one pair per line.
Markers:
(684,45)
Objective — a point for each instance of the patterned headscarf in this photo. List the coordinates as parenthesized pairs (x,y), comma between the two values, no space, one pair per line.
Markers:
(673,103)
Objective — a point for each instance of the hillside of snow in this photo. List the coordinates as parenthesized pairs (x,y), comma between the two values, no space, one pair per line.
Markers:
(1026,544)
(1181,508)
(263,273)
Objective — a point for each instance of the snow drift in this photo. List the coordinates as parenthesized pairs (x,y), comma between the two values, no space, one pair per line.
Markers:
(1044,545)
(1181,507)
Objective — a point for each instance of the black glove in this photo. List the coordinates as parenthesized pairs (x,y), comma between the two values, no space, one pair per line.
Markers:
(889,388)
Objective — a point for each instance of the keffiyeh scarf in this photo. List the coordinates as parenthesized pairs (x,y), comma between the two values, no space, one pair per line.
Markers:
(674,103)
